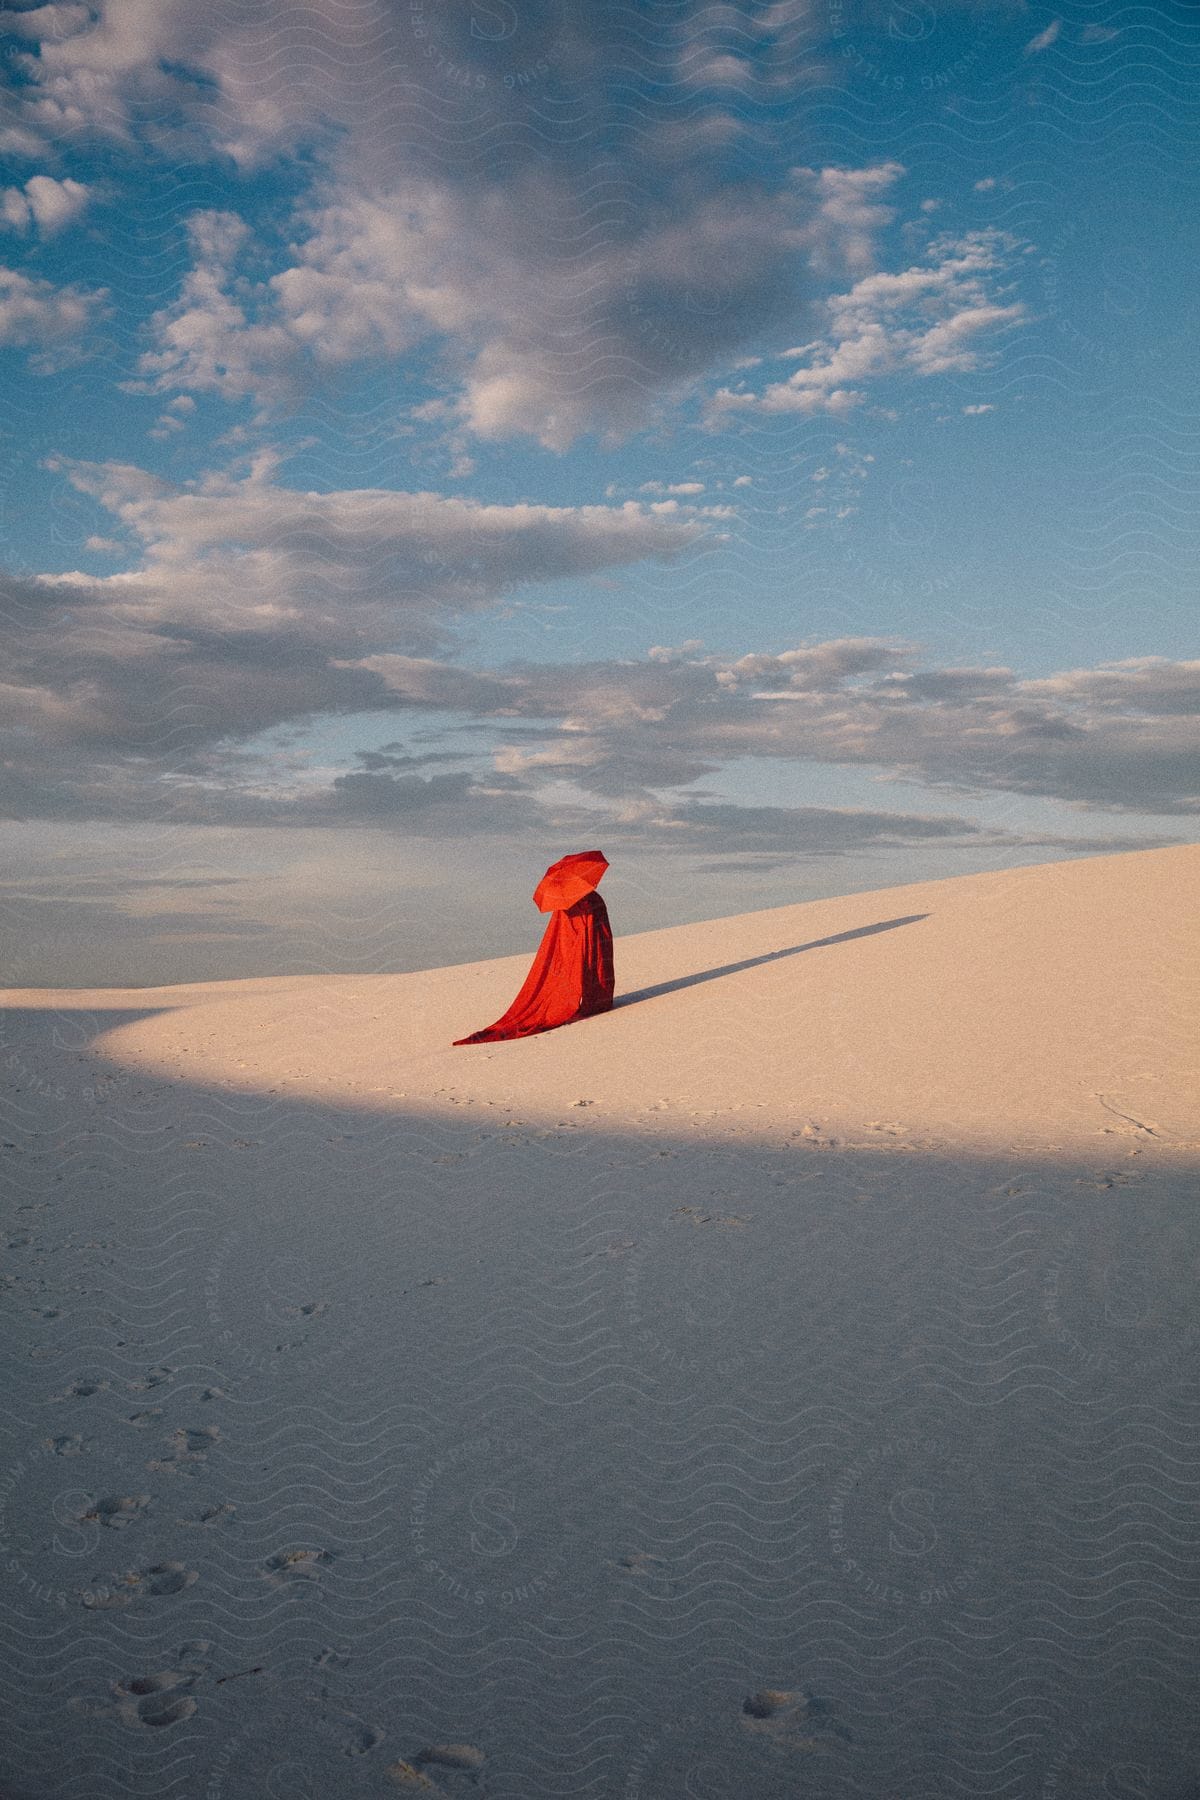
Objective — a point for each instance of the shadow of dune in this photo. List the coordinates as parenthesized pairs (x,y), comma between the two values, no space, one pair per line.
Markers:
(66,1030)
(753,962)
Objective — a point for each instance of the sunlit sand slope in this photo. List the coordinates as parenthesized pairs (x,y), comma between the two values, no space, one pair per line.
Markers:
(1030,1006)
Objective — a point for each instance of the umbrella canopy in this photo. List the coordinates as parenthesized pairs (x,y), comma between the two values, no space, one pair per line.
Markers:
(569,879)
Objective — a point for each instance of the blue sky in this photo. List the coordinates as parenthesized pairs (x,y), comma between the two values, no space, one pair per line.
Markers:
(756,439)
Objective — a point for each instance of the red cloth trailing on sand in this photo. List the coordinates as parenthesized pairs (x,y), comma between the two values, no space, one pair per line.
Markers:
(572,973)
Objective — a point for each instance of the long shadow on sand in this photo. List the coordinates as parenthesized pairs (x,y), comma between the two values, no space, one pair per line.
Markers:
(753,962)
(334,1440)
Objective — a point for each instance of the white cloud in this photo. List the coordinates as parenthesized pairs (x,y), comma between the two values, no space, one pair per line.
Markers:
(48,22)
(927,320)
(173,418)
(974,411)
(49,320)
(1044,39)
(849,214)
(262,81)
(206,340)
(272,78)
(1148,684)
(554,330)
(243,553)
(563,297)
(951,346)
(15,212)
(55,204)
(673,652)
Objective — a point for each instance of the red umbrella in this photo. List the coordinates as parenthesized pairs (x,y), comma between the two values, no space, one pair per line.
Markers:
(569,879)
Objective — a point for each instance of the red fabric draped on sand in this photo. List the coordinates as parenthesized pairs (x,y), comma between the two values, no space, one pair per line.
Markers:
(571,977)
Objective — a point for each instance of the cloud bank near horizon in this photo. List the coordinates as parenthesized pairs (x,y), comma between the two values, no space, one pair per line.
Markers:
(253,607)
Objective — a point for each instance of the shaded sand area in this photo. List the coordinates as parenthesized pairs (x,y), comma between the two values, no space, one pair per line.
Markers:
(784,1385)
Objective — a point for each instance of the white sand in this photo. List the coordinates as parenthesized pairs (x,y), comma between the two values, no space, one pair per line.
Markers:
(1043,1005)
(368,1396)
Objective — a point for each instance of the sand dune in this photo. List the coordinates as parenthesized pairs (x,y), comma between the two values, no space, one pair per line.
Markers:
(1043,1005)
(724,1396)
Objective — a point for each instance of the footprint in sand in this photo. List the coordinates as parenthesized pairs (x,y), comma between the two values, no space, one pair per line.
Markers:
(362,1738)
(65,1446)
(167,1578)
(813,1134)
(288,1566)
(448,1760)
(187,1448)
(83,1389)
(157,1700)
(310,1309)
(695,1215)
(791,1719)
(219,1513)
(119,1590)
(411,1780)
(156,1377)
(149,1416)
(641,1562)
(463,1757)
(99,1598)
(116,1511)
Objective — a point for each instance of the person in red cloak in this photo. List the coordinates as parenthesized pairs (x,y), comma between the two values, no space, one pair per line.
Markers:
(572,973)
